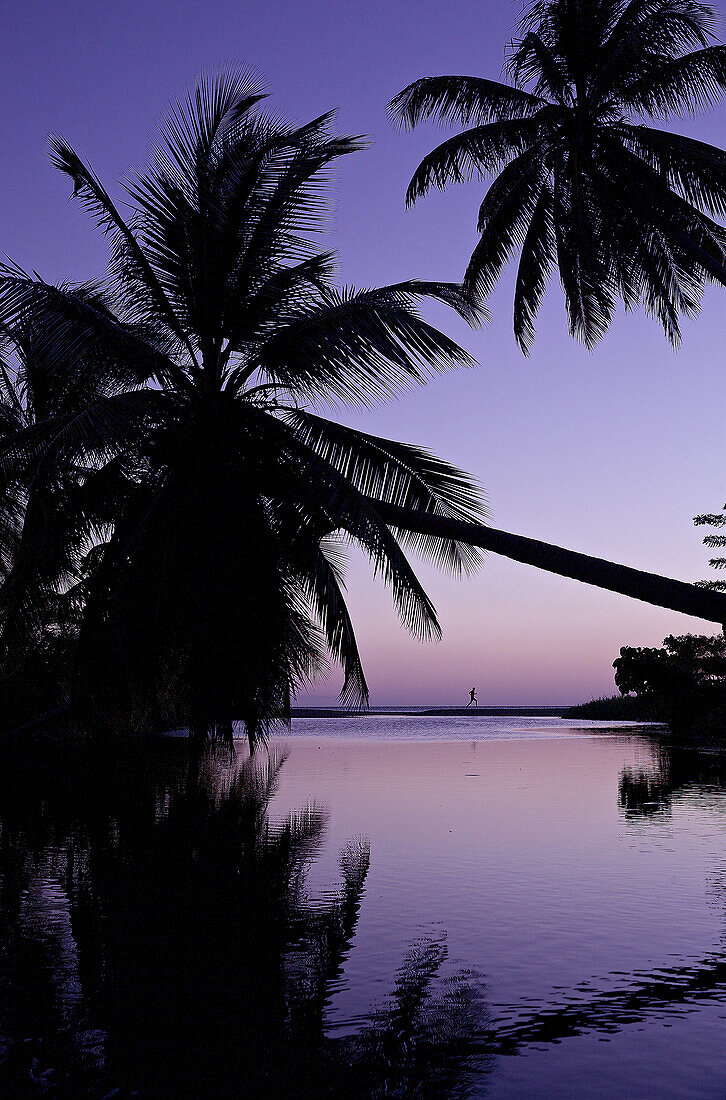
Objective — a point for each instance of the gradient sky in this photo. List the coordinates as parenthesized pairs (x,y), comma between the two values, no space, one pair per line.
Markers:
(610,453)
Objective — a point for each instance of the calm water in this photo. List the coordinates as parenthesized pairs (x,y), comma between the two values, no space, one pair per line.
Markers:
(385,906)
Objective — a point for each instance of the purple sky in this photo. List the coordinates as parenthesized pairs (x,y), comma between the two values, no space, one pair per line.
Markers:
(610,453)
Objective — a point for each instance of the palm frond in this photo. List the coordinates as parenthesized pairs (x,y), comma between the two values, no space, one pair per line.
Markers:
(323,584)
(471,100)
(75,330)
(691,231)
(473,154)
(533,61)
(359,346)
(402,474)
(93,432)
(130,264)
(586,277)
(693,168)
(535,265)
(661,27)
(191,129)
(693,83)
(327,502)
(283,293)
(503,215)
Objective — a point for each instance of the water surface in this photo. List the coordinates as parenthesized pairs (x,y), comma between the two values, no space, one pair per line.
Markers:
(580,872)
(384,906)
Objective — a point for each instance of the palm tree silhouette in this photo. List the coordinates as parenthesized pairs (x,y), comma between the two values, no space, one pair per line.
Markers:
(621,208)
(221,571)
(212,496)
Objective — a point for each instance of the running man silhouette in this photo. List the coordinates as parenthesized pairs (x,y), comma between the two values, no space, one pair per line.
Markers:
(472,699)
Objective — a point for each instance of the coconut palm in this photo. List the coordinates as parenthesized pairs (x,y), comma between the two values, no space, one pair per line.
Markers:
(624,210)
(221,570)
(215,494)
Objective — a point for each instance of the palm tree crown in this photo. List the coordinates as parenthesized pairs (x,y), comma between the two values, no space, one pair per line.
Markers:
(220,569)
(626,211)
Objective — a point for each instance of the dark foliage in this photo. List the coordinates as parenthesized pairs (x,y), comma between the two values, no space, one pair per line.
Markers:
(684,683)
(715,541)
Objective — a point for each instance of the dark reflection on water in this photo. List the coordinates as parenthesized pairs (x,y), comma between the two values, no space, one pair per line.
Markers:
(161,933)
(157,939)
(677,768)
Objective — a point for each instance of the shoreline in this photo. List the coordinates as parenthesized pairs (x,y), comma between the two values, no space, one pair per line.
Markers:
(430,712)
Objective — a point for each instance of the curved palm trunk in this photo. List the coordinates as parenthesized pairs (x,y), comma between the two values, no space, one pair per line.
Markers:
(689,599)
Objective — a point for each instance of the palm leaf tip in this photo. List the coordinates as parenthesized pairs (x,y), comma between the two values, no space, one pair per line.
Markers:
(400,110)
(66,160)
(455,295)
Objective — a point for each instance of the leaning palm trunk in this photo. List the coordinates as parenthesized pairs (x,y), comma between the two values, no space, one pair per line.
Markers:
(690,599)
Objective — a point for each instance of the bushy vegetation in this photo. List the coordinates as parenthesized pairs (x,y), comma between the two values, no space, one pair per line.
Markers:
(616,708)
(684,682)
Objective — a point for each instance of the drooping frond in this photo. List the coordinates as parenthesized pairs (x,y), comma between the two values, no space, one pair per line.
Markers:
(401,474)
(535,265)
(503,215)
(586,277)
(690,84)
(649,30)
(697,171)
(695,234)
(327,501)
(86,434)
(76,331)
(470,100)
(322,579)
(473,154)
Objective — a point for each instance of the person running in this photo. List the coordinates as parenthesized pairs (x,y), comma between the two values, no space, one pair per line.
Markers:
(472,699)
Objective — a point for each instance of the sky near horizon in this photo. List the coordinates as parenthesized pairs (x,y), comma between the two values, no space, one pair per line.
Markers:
(610,453)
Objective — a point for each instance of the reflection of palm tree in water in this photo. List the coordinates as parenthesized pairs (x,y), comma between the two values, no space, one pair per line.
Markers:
(190,955)
(472,698)
(200,963)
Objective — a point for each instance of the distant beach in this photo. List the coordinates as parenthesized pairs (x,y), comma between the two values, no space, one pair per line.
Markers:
(431,712)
